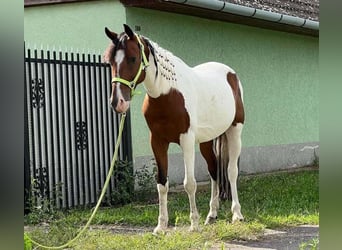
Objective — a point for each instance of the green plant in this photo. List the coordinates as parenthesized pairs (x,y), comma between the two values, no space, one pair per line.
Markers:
(312,244)
(145,181)
(41,208)
(315,162)
(137,186)
(124,183)
(27,242)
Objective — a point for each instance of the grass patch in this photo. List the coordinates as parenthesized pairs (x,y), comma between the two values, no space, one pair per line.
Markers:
(268,201)
(178,238)
(284,199)
(311,244)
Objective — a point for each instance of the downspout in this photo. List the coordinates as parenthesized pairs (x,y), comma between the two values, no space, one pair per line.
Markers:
(222,6)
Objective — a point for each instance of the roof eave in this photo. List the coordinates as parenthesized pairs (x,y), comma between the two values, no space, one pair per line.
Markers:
(220,10)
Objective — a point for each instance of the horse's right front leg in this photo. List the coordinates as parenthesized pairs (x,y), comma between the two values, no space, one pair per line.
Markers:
(160,148)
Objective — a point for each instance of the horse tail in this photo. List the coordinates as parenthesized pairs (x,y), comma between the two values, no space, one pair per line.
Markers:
(222,159)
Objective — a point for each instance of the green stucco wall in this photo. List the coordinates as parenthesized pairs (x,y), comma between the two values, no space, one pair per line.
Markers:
(278,70)
(79,26)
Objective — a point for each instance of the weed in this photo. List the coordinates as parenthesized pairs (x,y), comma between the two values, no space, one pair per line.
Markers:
(125,179)
(41,208)
(27,242)
(310,245)
(124,183)
(315,162)
(145,180)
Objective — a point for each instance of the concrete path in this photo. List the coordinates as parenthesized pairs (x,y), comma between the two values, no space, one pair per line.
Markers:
(285,239)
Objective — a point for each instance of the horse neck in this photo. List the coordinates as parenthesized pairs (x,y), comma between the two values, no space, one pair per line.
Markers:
(161,75)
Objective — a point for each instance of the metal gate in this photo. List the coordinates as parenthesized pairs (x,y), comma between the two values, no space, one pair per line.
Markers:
(70,130)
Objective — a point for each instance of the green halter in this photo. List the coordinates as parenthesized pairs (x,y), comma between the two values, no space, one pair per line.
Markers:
(143,65)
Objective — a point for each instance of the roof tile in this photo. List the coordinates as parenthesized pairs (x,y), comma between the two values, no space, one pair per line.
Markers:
(307,9)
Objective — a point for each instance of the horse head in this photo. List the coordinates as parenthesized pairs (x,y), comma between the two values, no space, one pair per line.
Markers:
(127,57)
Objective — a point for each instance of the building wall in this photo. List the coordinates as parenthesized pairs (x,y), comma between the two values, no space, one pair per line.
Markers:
(79,26)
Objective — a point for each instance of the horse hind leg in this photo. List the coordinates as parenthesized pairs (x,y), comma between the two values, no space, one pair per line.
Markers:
(234,150)
(208,154)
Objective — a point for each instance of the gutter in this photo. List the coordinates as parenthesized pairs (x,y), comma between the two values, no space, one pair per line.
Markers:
(236,9)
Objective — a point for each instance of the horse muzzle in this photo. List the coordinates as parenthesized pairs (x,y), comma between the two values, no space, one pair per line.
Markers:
(120,105)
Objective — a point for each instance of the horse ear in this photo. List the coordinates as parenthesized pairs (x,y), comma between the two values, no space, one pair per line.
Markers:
(129,31)
(111,35)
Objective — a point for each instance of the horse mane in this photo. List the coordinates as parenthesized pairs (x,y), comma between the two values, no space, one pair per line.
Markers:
(108,55)
(164,61)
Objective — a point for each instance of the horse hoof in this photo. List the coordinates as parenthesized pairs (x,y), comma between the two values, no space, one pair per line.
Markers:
(159,230)
(194,229)
(237,217)
(210,220)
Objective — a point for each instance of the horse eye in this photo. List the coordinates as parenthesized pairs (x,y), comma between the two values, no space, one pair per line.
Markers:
(131,60)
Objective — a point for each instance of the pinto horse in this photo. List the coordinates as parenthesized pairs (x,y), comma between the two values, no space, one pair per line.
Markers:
(183,105)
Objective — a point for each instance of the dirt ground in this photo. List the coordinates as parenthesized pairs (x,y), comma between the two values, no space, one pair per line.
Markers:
(283,239)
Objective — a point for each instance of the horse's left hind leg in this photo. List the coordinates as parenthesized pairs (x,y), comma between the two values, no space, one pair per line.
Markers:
(208,154)
(187,142)
(234,149)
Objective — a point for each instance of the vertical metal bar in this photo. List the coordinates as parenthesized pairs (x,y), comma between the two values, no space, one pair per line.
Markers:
(80,153)
(99,132)
(75,166)
(37,139)
(51,142)
(31,128)
(102,100)
(57,167)
(127,142)
(90,90)
(45,129)
(109,115)
(96,128)
(107,154)
(27,174)
(61,115)
(68,142)
(84,114)
(127,148)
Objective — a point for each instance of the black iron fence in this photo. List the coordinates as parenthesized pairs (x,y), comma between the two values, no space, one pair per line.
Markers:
(70,130)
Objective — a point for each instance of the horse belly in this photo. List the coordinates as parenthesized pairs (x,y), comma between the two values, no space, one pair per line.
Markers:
(215,110)
(215,118)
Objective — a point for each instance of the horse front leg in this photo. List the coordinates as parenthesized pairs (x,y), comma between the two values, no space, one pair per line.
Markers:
(187,142)
(160,148)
